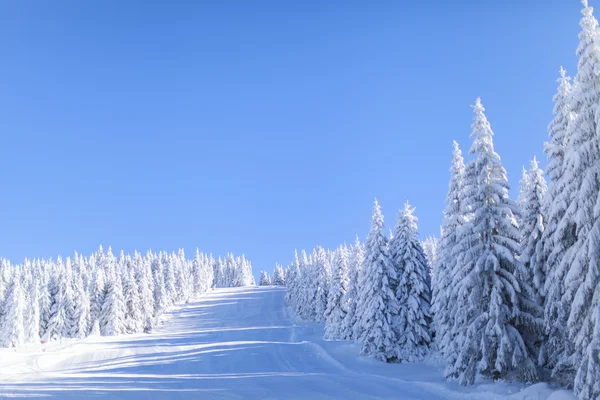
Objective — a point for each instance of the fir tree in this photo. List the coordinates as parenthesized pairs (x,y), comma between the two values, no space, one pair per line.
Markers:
(413,290)
(278,276)
(377,306)
(442,288)
(264,279)
(356,260)
(336,308)
(13,328)
(487,330)
(554,244)
(112,318)
(532,193)
(582,281)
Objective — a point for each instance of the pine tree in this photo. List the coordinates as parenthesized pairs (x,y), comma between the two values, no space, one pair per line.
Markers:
(146,292)
(133,309)
(13,328)
(336,308)
(532,192)
(45,299)
(32,312)
(377,306)
(356,258)
(488,326)
(321,270)
(161,301)
(112,318)
(413,290)
(264,279)
(293,281)
(555,241)
(81,310)
(582,281)
(278,276)
(430,248)
(445,264)
(58,323)
(97,295)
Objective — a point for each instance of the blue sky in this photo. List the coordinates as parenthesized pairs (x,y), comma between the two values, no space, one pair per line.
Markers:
(257,127)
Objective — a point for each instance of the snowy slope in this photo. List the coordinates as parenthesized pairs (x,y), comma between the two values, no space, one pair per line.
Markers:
(231,344)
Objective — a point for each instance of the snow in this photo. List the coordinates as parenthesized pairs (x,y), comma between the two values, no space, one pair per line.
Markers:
(235,343)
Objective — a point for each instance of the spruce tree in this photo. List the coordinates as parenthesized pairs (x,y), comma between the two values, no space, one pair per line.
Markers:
(112,318)
(321,270)
(336,308)
(488,326)
(442,288)
(356,259)
(581,261)
(81,310)
(377,306)
(532,195)
(278,276)
(554,244)
(32,312)
(264,279)
(413,289)
(13,327)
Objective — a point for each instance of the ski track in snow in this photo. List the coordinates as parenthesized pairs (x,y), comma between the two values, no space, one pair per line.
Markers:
(231,344)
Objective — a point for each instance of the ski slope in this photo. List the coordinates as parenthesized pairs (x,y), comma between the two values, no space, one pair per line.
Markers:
(231,344)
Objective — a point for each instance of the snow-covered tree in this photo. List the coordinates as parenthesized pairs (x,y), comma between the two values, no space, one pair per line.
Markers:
(96,296)
(532,191)
(81,312)
(430,248)
(582,280)
(488,316)
(32,312)
(112,318)
(133,308)
(413,290)
(377,306)
(264,279)
(445,264)
(278,278)
(146,292)
(12,333)
(58,324)
(336,311)
(293,277)
(320,268)
(554,242)
(356,259)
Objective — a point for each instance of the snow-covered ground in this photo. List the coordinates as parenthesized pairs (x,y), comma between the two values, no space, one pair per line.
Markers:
(231,344)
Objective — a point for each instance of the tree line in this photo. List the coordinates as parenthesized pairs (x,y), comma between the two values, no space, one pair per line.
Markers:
(511,289)
(103,294)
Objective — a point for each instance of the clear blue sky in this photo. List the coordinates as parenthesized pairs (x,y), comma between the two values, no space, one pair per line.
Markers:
(257,127)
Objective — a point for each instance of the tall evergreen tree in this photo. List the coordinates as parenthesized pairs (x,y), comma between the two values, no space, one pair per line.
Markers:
(336,308)
(377,306)
(582,281)
(112,318)
(356,259)
(321,270)
(32,312)
(81,309)
(532,194)
(13,327)
(413,289)
(278,276)
(442,288)
(264,279)
(487,330)
(555,241)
